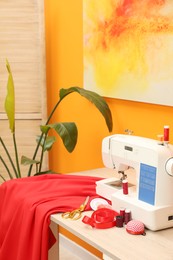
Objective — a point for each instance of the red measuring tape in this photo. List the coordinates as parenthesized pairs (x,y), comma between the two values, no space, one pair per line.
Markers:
(101,218)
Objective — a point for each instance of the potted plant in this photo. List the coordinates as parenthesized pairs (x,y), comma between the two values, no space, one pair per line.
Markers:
(67,131)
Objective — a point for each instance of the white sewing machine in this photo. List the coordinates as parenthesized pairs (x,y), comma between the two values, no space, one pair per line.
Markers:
(150,193)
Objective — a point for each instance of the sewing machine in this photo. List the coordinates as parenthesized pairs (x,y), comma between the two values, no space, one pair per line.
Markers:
(150,191)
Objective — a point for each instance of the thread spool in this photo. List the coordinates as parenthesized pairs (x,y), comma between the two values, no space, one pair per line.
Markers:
(127,216)
(166,134)
(122,213)
(125,187)
(119,221)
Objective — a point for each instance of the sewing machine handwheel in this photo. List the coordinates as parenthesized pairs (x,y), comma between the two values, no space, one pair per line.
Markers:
(169,166)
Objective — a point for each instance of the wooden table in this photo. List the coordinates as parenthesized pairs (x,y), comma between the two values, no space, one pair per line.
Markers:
(116,243)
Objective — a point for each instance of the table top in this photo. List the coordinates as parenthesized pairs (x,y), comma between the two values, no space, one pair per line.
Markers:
(116,242)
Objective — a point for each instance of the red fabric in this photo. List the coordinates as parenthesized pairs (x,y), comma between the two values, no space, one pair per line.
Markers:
(25,208)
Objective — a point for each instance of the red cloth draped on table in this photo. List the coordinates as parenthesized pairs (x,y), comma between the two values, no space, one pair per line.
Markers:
(25,208)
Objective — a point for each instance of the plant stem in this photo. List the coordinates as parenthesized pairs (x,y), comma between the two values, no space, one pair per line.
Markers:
(53,111)
(8,171)
(16,155)
(35,153)
(9,157)
(38,144)
(37,167)
(2,178)
(42,154)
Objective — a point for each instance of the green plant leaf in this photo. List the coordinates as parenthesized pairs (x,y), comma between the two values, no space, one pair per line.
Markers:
(68,133)
(93,97)
(10,99)
(45,172)
(27,161)
(50,140)
(45,128)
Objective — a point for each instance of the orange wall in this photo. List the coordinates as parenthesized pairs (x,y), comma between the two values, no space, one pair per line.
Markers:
(65,69)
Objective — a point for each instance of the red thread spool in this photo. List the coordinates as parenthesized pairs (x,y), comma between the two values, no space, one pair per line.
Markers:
(122,213)
(125,187)
(127,216)
(166,134)
(119,221)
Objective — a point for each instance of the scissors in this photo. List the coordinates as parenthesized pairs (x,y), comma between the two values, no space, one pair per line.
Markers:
(76,213)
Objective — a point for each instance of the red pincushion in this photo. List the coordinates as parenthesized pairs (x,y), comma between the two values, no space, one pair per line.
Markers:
(135,227)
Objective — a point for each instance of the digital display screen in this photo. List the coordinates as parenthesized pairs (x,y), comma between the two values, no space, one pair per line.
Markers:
(128,148)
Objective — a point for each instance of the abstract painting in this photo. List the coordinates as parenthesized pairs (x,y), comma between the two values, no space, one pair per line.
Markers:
(128,49)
